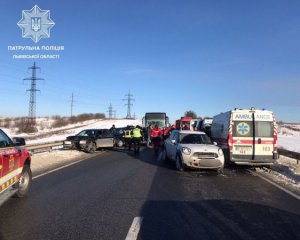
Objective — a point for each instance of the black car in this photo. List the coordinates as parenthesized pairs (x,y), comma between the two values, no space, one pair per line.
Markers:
(102,139)
(72,142)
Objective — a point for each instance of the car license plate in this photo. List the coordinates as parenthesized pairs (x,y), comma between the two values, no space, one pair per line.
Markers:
(68,142)
(243,149)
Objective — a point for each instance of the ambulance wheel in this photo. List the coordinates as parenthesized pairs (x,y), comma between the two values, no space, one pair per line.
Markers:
(24,182)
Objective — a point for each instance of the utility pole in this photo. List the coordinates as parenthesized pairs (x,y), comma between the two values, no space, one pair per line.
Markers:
(129,99)
(72,104)
(110,111)
(32,102)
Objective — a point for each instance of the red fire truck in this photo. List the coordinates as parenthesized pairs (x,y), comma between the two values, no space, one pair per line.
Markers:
(15,173)
(184,122)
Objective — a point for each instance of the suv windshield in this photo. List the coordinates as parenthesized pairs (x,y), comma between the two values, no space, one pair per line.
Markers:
(86,133)
(188,138)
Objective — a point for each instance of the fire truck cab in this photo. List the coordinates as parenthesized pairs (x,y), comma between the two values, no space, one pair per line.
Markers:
(15,172)
(184,122)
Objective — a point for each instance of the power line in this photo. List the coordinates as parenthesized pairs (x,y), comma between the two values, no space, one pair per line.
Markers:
(32,100)
(129,99)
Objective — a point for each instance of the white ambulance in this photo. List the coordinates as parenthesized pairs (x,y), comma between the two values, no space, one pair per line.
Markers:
(247,137)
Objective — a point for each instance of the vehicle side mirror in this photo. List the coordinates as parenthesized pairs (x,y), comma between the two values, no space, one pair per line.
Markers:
(19,141)
(215,143)
(173,141)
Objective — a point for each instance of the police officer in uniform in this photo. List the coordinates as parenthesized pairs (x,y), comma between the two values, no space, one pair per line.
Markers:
(127,138)
(137,135)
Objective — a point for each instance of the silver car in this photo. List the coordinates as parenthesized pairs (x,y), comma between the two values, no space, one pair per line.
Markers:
(194,150)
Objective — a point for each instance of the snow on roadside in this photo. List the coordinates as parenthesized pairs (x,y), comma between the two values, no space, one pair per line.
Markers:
(72,129)
(289,163)
(42,162)
(285,172)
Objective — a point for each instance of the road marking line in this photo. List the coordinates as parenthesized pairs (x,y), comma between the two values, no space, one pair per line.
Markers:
(134,229)
(275,184)
(62,167)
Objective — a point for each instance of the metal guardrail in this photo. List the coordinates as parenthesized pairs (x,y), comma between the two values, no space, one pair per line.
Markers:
(290,154)
(43,147)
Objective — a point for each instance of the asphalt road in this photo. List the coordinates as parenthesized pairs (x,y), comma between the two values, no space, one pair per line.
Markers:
(99,198)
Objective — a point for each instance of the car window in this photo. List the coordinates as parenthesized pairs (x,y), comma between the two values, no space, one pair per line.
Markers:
(4,140)
(119,131)
(187,138)
(264,129)
(84,133)
(106,134)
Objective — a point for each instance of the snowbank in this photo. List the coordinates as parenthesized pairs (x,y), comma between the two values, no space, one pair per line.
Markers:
(285,172)
(289,139)
(59,134)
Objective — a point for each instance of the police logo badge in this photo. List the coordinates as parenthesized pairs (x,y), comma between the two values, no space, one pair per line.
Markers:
(36,24)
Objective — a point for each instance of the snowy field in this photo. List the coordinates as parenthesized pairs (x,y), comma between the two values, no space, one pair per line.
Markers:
(289,138)
(47,134)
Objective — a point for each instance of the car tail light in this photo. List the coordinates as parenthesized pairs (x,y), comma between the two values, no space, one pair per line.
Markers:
(230,141)
(230,138)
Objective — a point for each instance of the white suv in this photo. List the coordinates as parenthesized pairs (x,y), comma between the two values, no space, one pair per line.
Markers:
(194,150)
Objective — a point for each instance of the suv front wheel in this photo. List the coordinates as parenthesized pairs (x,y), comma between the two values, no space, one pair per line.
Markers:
(24,182)
(91,148)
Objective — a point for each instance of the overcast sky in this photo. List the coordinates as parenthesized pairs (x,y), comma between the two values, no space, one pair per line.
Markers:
(207,56)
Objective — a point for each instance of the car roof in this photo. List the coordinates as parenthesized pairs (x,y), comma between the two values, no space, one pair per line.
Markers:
(91,129)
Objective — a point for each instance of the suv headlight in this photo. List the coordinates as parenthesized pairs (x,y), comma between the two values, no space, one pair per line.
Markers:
(82,142)
(220,151)
(186,150)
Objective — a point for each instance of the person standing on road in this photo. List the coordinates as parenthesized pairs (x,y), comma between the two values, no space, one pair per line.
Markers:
(150,128)
(156,138)
(127,138)
(166,133)
(137,136)
(113,129)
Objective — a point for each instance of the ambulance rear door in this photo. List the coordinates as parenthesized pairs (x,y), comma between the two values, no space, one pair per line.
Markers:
(242,136)
(263,136)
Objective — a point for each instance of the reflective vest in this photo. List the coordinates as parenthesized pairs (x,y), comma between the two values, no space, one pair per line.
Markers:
(127,133)
(137,133)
